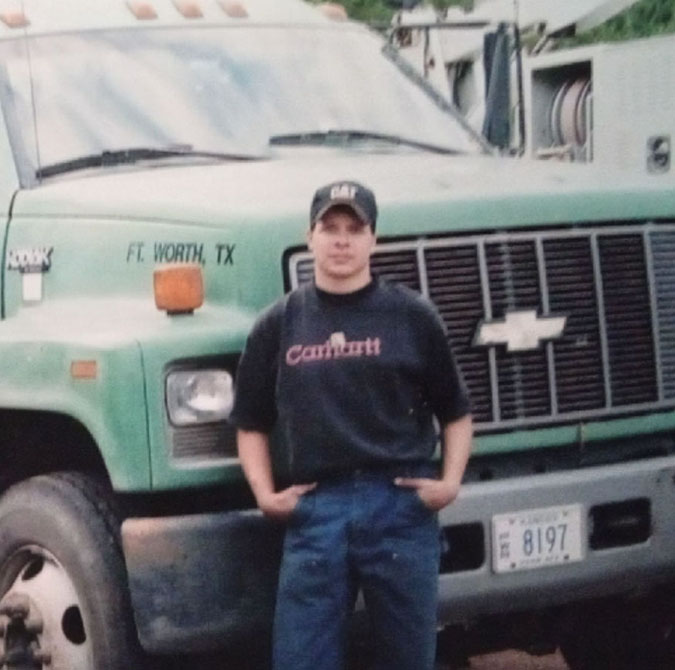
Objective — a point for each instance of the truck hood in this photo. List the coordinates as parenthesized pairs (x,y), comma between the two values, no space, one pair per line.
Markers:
(266,191)
(106,233)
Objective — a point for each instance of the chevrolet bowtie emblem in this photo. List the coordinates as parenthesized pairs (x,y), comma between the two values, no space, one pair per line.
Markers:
(519,331)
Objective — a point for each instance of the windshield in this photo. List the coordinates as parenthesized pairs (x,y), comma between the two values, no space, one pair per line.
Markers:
(218,91)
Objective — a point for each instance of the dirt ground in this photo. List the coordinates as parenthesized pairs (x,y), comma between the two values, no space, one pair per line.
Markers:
(516,660)
(503,660)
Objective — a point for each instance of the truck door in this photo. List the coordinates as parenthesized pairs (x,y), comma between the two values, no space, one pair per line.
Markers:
(15,87)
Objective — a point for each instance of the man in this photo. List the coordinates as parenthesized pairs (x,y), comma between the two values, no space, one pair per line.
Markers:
(351,372)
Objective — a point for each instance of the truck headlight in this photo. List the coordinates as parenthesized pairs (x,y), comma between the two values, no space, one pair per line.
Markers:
(199,396)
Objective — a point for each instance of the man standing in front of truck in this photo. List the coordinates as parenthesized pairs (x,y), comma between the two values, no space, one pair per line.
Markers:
(351,371)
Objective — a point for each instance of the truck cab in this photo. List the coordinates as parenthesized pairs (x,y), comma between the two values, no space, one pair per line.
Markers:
(158,160)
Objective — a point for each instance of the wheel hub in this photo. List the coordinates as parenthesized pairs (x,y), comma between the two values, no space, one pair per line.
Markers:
(20,627)
(41,623)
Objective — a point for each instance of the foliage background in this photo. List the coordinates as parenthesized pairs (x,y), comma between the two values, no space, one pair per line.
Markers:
(646,17)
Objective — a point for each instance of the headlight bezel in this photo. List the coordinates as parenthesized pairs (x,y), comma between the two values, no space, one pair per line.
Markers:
(197,396)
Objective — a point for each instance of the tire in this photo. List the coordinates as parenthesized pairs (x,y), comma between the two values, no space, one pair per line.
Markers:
(64,596)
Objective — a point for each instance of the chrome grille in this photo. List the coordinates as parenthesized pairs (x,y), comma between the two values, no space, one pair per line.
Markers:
(663,258)
(615,285)
(578,354)
(454,284)
(630,340)
(513,281)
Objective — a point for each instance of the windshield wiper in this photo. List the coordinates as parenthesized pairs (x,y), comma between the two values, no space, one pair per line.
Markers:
(133,155)
(339,137)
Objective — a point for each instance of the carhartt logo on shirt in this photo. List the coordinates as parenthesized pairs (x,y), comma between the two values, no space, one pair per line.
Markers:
(337,346)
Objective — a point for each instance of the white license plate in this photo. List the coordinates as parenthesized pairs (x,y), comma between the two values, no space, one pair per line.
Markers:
(536,538)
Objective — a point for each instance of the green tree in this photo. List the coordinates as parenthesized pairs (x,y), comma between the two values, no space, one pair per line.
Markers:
(370,11)
(645,18)
(379,11)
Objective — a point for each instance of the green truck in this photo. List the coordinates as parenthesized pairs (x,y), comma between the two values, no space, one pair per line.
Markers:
(158,158)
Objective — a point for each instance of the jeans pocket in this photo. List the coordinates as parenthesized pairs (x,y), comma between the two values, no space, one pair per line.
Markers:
(303,509)
(421,505)
(412,508)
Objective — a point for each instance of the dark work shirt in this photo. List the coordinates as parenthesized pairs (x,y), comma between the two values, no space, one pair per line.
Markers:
(349,380)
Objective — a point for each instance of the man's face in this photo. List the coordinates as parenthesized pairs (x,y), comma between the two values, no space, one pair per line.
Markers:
(341,244)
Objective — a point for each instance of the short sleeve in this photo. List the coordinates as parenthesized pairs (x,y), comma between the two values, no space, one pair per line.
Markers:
(255,385)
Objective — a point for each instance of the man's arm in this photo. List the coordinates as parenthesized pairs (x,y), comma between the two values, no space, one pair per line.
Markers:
(437,493)
(457,439)
(254,456)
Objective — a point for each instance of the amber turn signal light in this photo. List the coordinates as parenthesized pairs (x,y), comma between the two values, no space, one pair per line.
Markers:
(84,369)
(179,288)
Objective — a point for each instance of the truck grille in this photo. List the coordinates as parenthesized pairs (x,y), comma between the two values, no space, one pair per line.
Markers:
(208,441)
(614,285)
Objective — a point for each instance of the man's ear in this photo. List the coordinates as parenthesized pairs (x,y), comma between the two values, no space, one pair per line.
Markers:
(308,237)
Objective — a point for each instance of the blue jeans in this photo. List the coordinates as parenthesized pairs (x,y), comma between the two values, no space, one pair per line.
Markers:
(359,531)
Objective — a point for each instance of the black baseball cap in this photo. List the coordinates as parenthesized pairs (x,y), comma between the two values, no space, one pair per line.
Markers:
(351,194)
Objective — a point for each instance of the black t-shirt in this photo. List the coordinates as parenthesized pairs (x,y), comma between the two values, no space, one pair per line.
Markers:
(349,380)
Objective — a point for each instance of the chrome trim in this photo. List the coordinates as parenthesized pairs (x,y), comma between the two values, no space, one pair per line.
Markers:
(422,270)
(656,329)
(543,288)
(602,318)
(492,353)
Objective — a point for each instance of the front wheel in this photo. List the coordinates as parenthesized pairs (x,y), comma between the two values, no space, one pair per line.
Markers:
(64,601)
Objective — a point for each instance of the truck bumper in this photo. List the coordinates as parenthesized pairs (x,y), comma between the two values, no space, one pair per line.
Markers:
(201,582)
(628,539)
(208,581)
